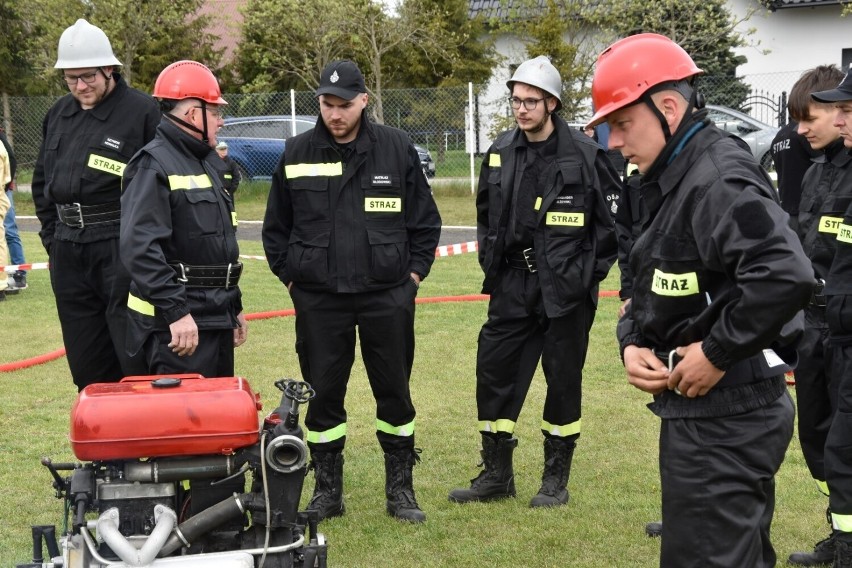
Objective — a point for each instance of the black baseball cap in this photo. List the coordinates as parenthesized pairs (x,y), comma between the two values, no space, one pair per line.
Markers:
(341,78)
(843,92)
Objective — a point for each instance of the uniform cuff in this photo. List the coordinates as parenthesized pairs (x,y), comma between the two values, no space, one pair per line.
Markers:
(715,354)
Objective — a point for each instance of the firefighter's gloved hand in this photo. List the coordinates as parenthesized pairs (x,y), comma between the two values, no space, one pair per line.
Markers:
(695,375)
(241,332)
(184,336)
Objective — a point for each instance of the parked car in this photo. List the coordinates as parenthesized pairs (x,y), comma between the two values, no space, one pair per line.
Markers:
(758,135)
(257,142)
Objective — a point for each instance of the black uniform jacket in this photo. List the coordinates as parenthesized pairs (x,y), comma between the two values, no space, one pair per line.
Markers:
(716,261)
(350,225)
(826,195)
(574,241)
(175,209)
(83,155)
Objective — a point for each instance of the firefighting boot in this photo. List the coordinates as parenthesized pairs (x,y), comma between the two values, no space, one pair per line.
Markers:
(399,487)
(823,553)
(558,453)
(497,480)
(842,554)
(327,499)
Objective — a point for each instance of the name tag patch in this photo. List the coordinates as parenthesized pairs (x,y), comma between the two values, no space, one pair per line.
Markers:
(565,219)
(105,165)
(112,143)
(666,284)
(383,205)
(830,224)
(381,180)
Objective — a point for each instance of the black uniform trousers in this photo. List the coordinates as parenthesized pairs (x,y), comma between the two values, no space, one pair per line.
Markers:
(325,343)
(90,286)
(515,336)
(838,446)
(214,356)
(718,486)
(816,391)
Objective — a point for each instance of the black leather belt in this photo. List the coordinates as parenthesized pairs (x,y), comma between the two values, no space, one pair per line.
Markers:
(746,371)
(80,216)
(523,260)
(212,276)
(818,295)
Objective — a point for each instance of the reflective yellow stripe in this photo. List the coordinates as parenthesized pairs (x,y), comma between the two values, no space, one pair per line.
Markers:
(229,176)
(502,425)
(561,430)
(383,205)
(327,436)
(841,522)
(844,233)
(140,305)
(234,218)
(201,181)
(822,486)
(314,170)
(829,224)
(666,284)
(537,205)
(493,160)
(565,219)
(105,165)
(405,430)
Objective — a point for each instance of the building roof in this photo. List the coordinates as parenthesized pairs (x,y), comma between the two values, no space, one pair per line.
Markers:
(782,4)
(503,9)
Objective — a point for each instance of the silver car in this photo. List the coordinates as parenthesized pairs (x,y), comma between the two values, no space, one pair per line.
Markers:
(758,135)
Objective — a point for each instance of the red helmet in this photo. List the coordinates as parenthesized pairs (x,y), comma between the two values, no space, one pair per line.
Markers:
(631,66)
(188,80)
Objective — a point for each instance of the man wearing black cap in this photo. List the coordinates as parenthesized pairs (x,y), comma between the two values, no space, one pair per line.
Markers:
(838,312)
(351,230)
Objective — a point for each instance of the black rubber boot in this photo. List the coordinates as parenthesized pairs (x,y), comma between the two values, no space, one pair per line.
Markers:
(558,453)
(497,480)
(654,528)
(399,487)
(842,554)
(822,555)
(327,499)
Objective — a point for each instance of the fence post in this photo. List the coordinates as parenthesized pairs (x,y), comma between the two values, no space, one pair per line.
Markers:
(292,112)
(472,133)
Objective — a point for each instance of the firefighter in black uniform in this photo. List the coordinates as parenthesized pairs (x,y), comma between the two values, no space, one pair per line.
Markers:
(838,292)
(351,229)
(546,239)
(231,178)
(719,282)
(826,191)
(791,155)
(178,235)
(89,136)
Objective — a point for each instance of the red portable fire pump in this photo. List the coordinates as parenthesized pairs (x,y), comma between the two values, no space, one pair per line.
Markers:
(165,483)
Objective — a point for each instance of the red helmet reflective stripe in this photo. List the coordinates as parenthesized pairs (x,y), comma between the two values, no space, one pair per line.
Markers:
(188,80)
(631,66)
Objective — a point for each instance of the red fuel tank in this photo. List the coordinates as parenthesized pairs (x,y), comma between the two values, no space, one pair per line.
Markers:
(164,415)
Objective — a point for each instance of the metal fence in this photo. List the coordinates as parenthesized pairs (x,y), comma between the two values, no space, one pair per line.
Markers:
(436,119)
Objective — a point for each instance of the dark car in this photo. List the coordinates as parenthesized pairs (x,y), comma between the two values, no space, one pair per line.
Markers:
(257,142)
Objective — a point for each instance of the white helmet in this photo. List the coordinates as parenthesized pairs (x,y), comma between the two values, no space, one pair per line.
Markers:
(84,45)
(540,73)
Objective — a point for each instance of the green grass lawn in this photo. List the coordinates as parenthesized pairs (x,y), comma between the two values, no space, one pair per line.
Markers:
(614,483)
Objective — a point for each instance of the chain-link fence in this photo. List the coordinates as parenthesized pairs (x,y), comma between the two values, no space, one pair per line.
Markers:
(437,120)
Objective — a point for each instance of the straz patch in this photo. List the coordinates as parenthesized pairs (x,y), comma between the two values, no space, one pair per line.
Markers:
(112,143)
(666,284)
(830,224)
(844,233)
(564,219)
(383,205)
(105,165)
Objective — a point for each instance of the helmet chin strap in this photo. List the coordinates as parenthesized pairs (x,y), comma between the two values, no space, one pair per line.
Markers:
(694,101)
(204,136)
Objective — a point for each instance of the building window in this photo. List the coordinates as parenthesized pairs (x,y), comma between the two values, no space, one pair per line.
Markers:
(846,59)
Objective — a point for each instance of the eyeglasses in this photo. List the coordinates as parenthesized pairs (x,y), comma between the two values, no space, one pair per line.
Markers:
(529,104)
(88,78)
(214,111)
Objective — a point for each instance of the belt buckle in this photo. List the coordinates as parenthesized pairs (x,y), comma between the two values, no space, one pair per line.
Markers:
(228,276)
(182,276)
(526,252)
(818,297)
(77,208)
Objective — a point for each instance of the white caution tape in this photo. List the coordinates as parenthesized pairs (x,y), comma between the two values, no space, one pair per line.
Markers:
(446,250)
